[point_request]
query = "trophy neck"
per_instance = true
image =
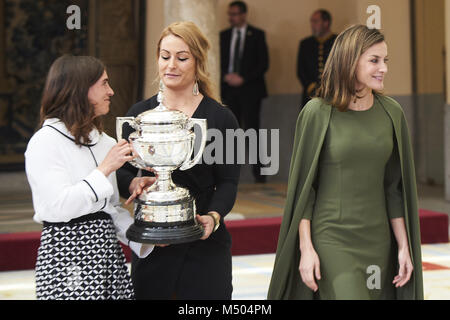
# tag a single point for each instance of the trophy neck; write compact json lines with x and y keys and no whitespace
{"x":164,"y":189}
{"x":164,"y":181}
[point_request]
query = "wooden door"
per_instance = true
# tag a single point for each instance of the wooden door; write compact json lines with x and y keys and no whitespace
{"x":116,"y":36}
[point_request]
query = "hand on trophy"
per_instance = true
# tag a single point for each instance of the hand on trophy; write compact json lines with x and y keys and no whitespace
{"x":116,"y":157}
{"x":207,"y":223}
{"x":138,"y":185}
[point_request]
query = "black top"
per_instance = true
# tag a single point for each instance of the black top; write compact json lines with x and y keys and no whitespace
{"x":214,"y":186}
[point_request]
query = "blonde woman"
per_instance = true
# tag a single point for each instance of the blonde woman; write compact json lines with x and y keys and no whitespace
{"x":350,"y":228}
{"x":200,"y":269}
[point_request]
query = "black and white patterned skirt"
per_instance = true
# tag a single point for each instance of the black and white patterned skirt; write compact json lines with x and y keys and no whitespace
{"x":81,"y":260}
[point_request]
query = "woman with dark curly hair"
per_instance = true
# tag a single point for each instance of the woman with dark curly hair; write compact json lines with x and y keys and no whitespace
{"x":70,"y":164}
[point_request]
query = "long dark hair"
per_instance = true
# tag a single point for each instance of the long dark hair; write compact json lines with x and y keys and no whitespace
{"x":65,"y":95}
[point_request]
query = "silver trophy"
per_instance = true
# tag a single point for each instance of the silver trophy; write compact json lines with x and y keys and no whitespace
{"x":164,"y":141}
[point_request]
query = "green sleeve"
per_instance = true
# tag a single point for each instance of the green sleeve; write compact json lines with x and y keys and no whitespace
{"x":310,"y":205}
{"x":393,"y":186}
{"x":309,"y":208}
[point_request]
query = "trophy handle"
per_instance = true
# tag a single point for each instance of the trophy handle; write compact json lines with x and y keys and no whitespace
{"x":119,"y":125}
{"x":137,"y":162}
{"x":190,"y":163}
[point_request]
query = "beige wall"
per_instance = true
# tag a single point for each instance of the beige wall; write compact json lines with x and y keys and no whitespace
{"x":287,"y":21}
{"x":430,"y":44}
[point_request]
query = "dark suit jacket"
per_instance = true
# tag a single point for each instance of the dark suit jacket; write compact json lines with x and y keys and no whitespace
{"x":254,"y":63}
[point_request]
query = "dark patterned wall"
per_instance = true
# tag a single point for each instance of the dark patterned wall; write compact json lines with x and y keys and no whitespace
{"x":35,"y":34}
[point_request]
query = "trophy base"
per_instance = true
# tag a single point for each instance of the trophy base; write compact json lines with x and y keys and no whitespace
{"x":152,"y":233}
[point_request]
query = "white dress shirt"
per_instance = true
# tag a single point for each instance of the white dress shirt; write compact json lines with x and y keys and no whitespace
{"x":66,"y":183}
{"x":234,"y":32}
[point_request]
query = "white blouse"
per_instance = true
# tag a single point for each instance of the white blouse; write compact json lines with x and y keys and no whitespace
{"x":66,"y":184}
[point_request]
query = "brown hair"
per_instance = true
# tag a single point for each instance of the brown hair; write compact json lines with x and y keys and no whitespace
{"x":338,"y":83}
{"x":66,"y":95}
{"x":198,"y":45}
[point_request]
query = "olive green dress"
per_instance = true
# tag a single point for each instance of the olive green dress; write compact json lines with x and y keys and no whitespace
{"x":350,"y":222}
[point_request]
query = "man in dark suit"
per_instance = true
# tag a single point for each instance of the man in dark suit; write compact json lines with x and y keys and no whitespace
{"x":244,"y":60}
{"x":313,"y":53}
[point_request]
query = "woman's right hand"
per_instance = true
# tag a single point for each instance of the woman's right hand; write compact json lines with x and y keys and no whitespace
{"x":137,"y":185}
{"x":310,"y":268}
{"x":116,"y":157}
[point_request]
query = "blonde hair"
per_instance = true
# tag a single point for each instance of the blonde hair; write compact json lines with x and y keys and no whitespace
{"x":338,"y":83}
{"x":198,"y":45}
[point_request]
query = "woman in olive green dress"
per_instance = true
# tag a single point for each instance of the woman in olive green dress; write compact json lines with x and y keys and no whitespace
{"x":350,"y":228}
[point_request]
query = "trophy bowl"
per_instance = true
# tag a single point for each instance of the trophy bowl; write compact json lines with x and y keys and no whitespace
{"x":164,"y":141}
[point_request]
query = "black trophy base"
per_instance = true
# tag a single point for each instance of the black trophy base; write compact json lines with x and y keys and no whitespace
{"x":152,"y":233}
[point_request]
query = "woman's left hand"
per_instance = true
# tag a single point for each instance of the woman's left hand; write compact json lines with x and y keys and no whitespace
{"x":405,"y":268}
{"x":207,"y":223}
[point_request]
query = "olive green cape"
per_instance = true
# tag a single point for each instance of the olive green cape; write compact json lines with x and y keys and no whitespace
{"x":312,"y":125}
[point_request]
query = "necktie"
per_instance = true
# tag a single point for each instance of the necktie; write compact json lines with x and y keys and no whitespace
{"x":236,"y":54}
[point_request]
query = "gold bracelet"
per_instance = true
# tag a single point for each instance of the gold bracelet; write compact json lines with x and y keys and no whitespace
{"x":216,"y":219}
